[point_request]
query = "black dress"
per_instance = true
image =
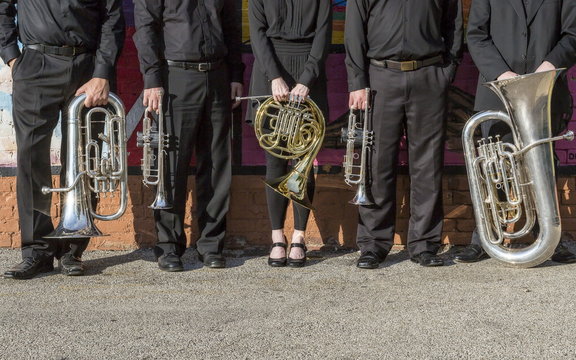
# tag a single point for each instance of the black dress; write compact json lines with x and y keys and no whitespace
{"x":290,"y":39}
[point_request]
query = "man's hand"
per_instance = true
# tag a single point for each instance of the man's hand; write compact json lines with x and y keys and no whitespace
{"x":152,"y":98}
{"x":280,"y":90}
{"x":545,"y":66}
{"x":357,"y":100}
{"x":299,"y":93}
{"x":507,"y":75}
{"x":236,"y":90}
{"x":96,"y":91}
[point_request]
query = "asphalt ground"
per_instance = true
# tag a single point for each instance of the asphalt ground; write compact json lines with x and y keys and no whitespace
{"x":125,"y":308}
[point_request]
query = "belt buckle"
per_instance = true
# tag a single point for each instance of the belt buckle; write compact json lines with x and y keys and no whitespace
{"x":73,"y":51}
{"x":408,"y":65}
{"x":203,"y":67}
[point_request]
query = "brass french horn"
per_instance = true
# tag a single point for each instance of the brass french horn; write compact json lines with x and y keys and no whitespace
{"x":292,"y":130}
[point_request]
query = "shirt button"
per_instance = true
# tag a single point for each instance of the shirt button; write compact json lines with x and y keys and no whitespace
{"x":524,"y":56}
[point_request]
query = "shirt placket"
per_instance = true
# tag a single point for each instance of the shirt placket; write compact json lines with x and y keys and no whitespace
{"x":203,"y":14}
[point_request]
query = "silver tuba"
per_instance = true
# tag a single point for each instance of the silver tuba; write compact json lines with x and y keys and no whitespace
{"x":514,"y":182}
{"x":150,"y":139}
{"x":93,"y":165}
{"x":359,"y":132}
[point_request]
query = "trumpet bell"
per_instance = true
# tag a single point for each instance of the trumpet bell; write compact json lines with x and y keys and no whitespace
{"x":362,"y":197}
{"x":161,"y":202}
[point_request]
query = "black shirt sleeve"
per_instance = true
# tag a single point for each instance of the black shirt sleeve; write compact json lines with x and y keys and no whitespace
{"x":8,"y":31}
{"x":111,"y":39}
{"x":148,"y":19}
{"x":564,"y":53}
{"x":483,"y":50}
{"x":356,"y":44}
{"x":322,"y":37}
{"x":232,"y":32}
{"x":452,"y":31}
{"x":261,"y":45}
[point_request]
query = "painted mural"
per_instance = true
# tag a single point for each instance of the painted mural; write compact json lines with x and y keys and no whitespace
{"x":130,"y":86}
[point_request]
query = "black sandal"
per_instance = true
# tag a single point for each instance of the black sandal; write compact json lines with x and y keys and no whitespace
{"x":277,"y":262}
{"x":297,"y":262}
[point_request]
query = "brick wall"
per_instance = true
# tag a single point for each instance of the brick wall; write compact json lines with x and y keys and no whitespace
{"x":332,"y":224}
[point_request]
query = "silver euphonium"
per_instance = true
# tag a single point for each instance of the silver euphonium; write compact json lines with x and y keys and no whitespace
{"x":93,"y":165}
{"x":150,"y":140}
{"x":514,"y":181}
{"x":359,"y":132}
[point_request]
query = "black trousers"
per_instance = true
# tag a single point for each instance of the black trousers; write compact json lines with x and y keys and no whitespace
{"x":413,"y":102}
{"x":42,"y":87}
{"x":277,"y":204}
{"x":198,"y":114}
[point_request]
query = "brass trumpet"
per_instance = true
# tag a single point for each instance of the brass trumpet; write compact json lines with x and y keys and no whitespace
{"x":91,"y":167}
{"x":290,"y":130}
{"x":150,"y":140}
{"x":359,"y":132}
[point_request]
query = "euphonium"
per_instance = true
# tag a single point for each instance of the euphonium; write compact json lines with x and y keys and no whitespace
{"x":290,"y":130}
{"x":359,"y":132}
{"x":93,"y":165}
{"x":510,"y":181}
{"x":151,"y":140}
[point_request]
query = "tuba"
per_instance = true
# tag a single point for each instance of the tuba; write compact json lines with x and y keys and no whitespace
{"x":514,"y":181}
{"x":93,"y":165}
{"x":359,"y":132}
{"x":149,"y":140}
{"x":290,"y":130}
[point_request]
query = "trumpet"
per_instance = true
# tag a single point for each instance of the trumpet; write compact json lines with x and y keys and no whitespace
{"x":359,"y":132}
{"x":290,"y":130}
{"x":149,"y":140}
{"x":99,"y":169}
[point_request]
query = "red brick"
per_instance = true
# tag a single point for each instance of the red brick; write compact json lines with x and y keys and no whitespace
{"x":458,"y":212}
{"x":457,"y":238}
{"x":458,"y":182}
{"x":5,"y":239}
{"x":466,"y":225}
{"x":449,"y":225}
{"x":461,"y":197}
{"x":7,"y":184}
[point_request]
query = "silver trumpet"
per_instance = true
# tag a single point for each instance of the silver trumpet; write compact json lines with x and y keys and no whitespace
{"x":150,"y":140}
{"x":91,"y":167}
{"x":511,"y":182}
{"x":355,"y":163}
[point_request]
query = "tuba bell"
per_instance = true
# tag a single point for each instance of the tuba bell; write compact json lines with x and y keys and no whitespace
{"x":93,"y":165}
{"x":510,"y":182}
{"x":291,"y":130}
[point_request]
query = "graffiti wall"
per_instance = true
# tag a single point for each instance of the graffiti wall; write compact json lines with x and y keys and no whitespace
{"x":130,"y":86}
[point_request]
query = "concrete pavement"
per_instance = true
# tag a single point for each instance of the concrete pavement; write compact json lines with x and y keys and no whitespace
{"x":125,"y":308}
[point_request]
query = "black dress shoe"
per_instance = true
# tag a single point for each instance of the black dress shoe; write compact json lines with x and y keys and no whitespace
{"x":71,"y":266}
{"x":29,"y":267}
{"x":277,"y":262}
{"x":563,"y":255}
{"x":213,"y":261}
{"x":297,"y":262}
{"x":470,"y":254}
{"x":427,"y":259}
{"x":368,"y":260}
{"x":170,"y":262}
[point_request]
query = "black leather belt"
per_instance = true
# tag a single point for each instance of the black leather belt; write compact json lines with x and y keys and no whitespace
{"x":196,"y":66}
{"x":410,"y":65}
{"x":58,"y":50}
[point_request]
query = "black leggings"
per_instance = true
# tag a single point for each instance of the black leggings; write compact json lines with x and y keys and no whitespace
{"x":277,"y":204}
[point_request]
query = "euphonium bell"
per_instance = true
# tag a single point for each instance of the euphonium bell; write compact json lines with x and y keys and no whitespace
{"x":514,"y":181}
{"x":91,"y":167}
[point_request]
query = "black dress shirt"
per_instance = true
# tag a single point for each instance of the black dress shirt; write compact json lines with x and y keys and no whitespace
{"x":186,"y":30}
{"x":97,"y":25}
{"x":291,"y":20}
{"x":400,"y":30}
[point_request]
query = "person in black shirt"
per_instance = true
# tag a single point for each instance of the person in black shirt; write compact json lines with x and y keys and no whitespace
{"x":290,"y":41}
{"x":70,"y":48}
{"x":516,"y":37}
{"x":190,"y":50}
{"x":406,"y":51}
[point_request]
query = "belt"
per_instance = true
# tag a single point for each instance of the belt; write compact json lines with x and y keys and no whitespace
{"x":196,"y":66}
{"x":58,"y":50}
{"x":410,"y":65}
